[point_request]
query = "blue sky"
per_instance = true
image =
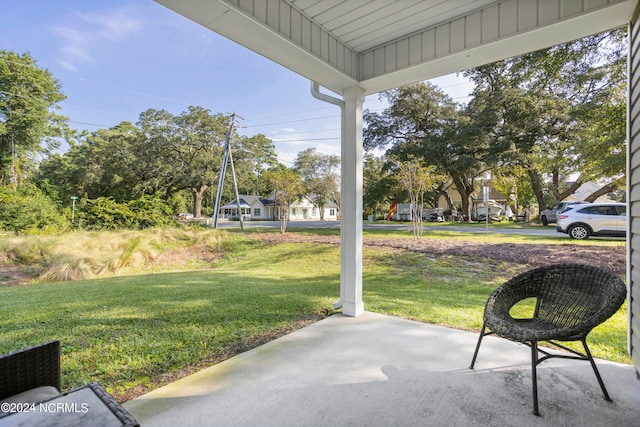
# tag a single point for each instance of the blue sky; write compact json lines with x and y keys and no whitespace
{"x":118,"y":58}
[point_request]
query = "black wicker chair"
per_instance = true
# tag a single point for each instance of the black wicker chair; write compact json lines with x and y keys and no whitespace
{"x":570,"y":300}
{"x":29,"y":368}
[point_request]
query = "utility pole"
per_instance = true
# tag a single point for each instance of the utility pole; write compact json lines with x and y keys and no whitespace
{"x":235,"y":186}
{"x":73,"y":207}
{"x":223,"y":169}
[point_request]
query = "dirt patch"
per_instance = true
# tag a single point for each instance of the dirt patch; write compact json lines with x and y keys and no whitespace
{"x":612,"y":258}
{"x":183,"y":256}
{"x":15,"y":275}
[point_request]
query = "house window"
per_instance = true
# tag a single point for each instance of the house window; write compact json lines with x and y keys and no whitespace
{"x":256,"y":211}
{"x":332,"y":212}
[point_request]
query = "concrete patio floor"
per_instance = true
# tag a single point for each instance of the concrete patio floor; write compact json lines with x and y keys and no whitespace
{"x":377,"y":370}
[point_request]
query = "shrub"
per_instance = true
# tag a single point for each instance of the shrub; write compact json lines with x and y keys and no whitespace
{"x":150,"y":211}
{"x":104,"y":213}
{"x":29,"y":210}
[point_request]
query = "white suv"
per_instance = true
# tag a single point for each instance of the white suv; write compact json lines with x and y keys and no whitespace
{"x":550,"y":215}
{"x":595,"y":219}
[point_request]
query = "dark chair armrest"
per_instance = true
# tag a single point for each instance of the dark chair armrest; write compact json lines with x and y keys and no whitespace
{"x":29,"y":368}
{"x":122,"y":414}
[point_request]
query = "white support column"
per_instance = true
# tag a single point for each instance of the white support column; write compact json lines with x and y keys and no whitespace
{"x":351,"y":204}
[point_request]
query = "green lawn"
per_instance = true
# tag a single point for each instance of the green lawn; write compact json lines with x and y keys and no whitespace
{"x":137,"y":330}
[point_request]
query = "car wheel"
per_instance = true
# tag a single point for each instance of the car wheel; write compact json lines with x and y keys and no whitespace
{"x":544,"y":220}
{"x":579,"y":232}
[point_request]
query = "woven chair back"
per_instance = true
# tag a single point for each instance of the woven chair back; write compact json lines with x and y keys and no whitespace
{"x":571,"y":299}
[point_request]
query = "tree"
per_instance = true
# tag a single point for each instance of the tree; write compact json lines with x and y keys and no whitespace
{"x":543,"y":108}
{"x":377,"y":182}
{"x":104,"y":163}
{"x":287,"y":187}
{"x":415,"y":179}
{"x":319,"y":173}
{"x":603,"y":142}
{"x":28,"y":125}
{"x":252,"y":156}
{"x":424,"y":122}
{"x":185,"y":150}
{"x":171,"y":157}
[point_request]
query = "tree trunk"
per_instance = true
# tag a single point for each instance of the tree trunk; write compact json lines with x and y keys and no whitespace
{"x":197,"y":199}
{"x":465,"y":191}
{"x":569,"y":191}
{"x":443,"y":191}
{"x":536,"y":186}
{"x":284,"y":213}
{"x":601,"y":192}
{"x":416,"y":211}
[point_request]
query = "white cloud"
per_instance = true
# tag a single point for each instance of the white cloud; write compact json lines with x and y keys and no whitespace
{"x":115,"y":26}
{"x":86,"y":31}
{"x":77,"y":54}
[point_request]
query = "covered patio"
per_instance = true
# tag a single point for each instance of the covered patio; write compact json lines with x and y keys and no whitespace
{"x":360,"y":47}
{"x":364,"y":369}
{"x":375,"y":370}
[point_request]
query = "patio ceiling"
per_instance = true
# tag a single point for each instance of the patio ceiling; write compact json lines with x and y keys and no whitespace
{"x":381,"y":44}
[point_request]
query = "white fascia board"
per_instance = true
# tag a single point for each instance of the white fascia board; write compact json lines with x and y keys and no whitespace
{"x":255,"y":36}
{"x":199,"y":11}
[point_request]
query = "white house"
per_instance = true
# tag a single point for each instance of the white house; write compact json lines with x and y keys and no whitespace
{"x":256,"y":208}
{"x":585,"y":190}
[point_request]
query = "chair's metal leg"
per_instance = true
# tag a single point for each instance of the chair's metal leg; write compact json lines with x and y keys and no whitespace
{"x":475,"y":354}
{"x":534,"y":375}
{"x":595,"y":370}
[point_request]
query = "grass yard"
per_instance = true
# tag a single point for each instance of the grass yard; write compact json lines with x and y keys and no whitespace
{"x":136,"y":331}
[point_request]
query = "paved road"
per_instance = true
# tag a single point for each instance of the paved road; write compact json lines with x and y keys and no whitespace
{"x":479,"y":228}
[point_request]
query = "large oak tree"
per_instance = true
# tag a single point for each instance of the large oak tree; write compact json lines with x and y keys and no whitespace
{"x":29,"y":125}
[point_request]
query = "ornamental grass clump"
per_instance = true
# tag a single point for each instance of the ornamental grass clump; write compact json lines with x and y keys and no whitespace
{"x":90,"y":254}
{"x":64,"y":267}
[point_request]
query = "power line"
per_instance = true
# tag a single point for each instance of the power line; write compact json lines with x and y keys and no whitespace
{"x":90,"y":124}
{"x":290,"y":114}
{"x":305,"y":140}
{"x":292,"y":121}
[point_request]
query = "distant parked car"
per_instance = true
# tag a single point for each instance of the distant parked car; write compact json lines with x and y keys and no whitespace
{"x":596,"y":219}
{"x":550,"y":215}
{"x":433,"y":215}
{"x":436,"y":217}
{"x":184,"y":216}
